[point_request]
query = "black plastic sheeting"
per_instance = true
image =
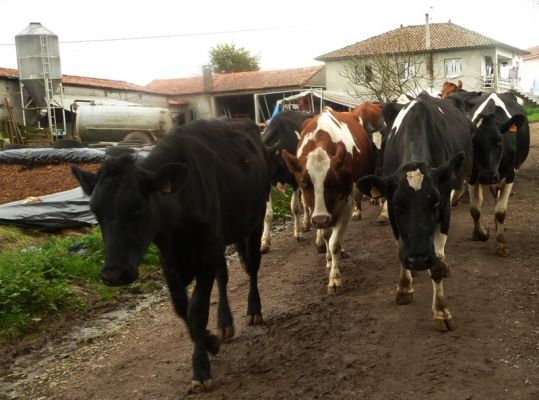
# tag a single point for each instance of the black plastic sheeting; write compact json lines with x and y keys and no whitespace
{"x":50,"y":156}
{"x":63,"y":210}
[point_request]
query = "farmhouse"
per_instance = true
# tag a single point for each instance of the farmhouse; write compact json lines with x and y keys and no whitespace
{"x":425,"y":57}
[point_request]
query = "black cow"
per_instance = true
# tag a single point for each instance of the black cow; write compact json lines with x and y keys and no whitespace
{"x":204,"y":186}
{"x":427,"y":154}
{"x":283,"y":132}
{"x":501,"y":142}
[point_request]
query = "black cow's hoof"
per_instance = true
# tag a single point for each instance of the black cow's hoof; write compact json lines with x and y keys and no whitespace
{"x":501,"y":249}
{"x":200,"y":386}
{"x":480,"y":236}
{"x":404,"y":298}
{"x":212,"y":344}
{"x":320,"y":249}
{"x":226,"y":333}
{"x":444,"y":325}
{"x":255,"y":319}
{"x":333,"y":290}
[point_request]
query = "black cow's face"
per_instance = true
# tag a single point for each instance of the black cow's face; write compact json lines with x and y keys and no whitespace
{"x":417,"y":196}
{"x":490,"y":140}
{"x":123,"y":201}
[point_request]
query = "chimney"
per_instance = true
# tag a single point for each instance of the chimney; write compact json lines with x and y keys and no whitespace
{"x":207,"y":78}
{"x":427,"y":32}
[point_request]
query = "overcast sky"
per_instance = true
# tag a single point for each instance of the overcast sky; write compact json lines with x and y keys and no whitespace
{"x":282,"y":33}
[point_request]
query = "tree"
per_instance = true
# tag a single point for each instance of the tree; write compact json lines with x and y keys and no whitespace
{"x":381,"y":75}
{"x":226,"y":58}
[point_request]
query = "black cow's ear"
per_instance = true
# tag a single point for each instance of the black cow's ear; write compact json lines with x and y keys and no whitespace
{"x":87,"y":179}
{"x":291,"y":161}
{"x":170,"y":177}
{"x":514,"y":123}
{"x":374,"y":186}
{"x":452,"y":171}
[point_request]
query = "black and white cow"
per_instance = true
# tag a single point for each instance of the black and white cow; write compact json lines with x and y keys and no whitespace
{"x":427,"y":154}
{"x":189,"y":197}
{"x":501,"y":142}
{"x":283,"y":132}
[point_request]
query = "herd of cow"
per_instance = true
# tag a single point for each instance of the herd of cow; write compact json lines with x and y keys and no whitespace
{"x":205,"y":185}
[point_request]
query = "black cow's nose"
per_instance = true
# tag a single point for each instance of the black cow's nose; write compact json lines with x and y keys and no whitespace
{"x":117,"y":277}
{"x":489,"y":178}
{"x":321,"y":221}
{"x":420,"y":262}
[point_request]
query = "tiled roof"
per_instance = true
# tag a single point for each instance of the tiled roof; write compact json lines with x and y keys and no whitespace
{"x":443,"y":36}
{"x":85,"y":81}
{"x":239,"y":81}
{"x":534,"y":54}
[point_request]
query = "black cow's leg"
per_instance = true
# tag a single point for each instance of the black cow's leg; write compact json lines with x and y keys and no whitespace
{"x":225,"y":323}
{"x":405,"y":288}
{"x":268,"y":220}
{"x":476,"y":199}
{"x":197,"y":319}
{"x":442,"y":317}
{"x":249,"y":250}
{"x":499,"y":215}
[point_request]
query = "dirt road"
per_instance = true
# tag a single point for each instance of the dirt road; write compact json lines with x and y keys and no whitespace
{"x":356,"y":345}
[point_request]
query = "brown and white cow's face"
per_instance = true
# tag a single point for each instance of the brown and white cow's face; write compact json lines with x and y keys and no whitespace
{"x":325,"y":181}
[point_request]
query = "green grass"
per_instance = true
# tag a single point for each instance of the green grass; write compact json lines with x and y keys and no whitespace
{"x":42,"y":280}
{"x":281,"y":202}
{"x":533,"y":114}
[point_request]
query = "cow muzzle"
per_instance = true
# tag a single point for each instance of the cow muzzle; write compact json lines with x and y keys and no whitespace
{"x":114,"y":276}
{"x":321,"y":221}
{"x":488,"y":178}
{"x":419,"y":262}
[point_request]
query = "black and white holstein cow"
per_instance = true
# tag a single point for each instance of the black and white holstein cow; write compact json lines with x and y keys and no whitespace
{"x":501,"y":142}
{"x":189,"y":197}
{"x":283,"y":132}
{"x":427,"y":154}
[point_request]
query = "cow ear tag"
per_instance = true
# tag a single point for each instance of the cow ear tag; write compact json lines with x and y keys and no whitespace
{"x":513,"y":128}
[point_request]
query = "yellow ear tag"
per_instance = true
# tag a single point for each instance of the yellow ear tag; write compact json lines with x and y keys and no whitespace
{"x":513,"y":128}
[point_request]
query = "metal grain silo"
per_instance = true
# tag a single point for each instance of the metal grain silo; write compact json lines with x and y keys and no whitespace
{"x":38,"y":58}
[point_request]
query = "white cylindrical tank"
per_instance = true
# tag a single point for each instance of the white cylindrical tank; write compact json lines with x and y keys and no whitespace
{"x":110,"y":123}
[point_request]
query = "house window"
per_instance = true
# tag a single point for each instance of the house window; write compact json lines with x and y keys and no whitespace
{"x":406,"y":71}
{"x":453,"y":67}
{"x":368,"y":73}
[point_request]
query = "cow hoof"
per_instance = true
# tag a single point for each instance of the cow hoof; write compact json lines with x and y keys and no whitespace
{"x":356,"y":217}
{"x":320,"y":249}
{"x":306,"y":228}
{"x":200,"y":386}
{"x":404,"y":298}
{"x":299,"y":238}
{"x":501,"y":250}
{"x":444,"y":325}
{"x":212,"y":344}
{"x":480,"y":236}
{"x":333,"y":290}
{"x":226,"y":333}
{"x":255,"y":319}
{"x":344,"y":254}
{"x":264,"y":249}
{"x":382,"y":220}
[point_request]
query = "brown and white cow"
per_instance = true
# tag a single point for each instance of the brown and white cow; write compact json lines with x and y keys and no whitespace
{"x":333,"y":152}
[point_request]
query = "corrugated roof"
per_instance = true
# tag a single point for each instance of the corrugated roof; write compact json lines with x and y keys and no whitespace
{"x":239,"y":81}
{"x":443,"y":36}
{"x":86,"y":81}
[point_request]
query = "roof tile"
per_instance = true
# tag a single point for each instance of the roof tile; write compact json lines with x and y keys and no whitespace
{"x":409,"y":39}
